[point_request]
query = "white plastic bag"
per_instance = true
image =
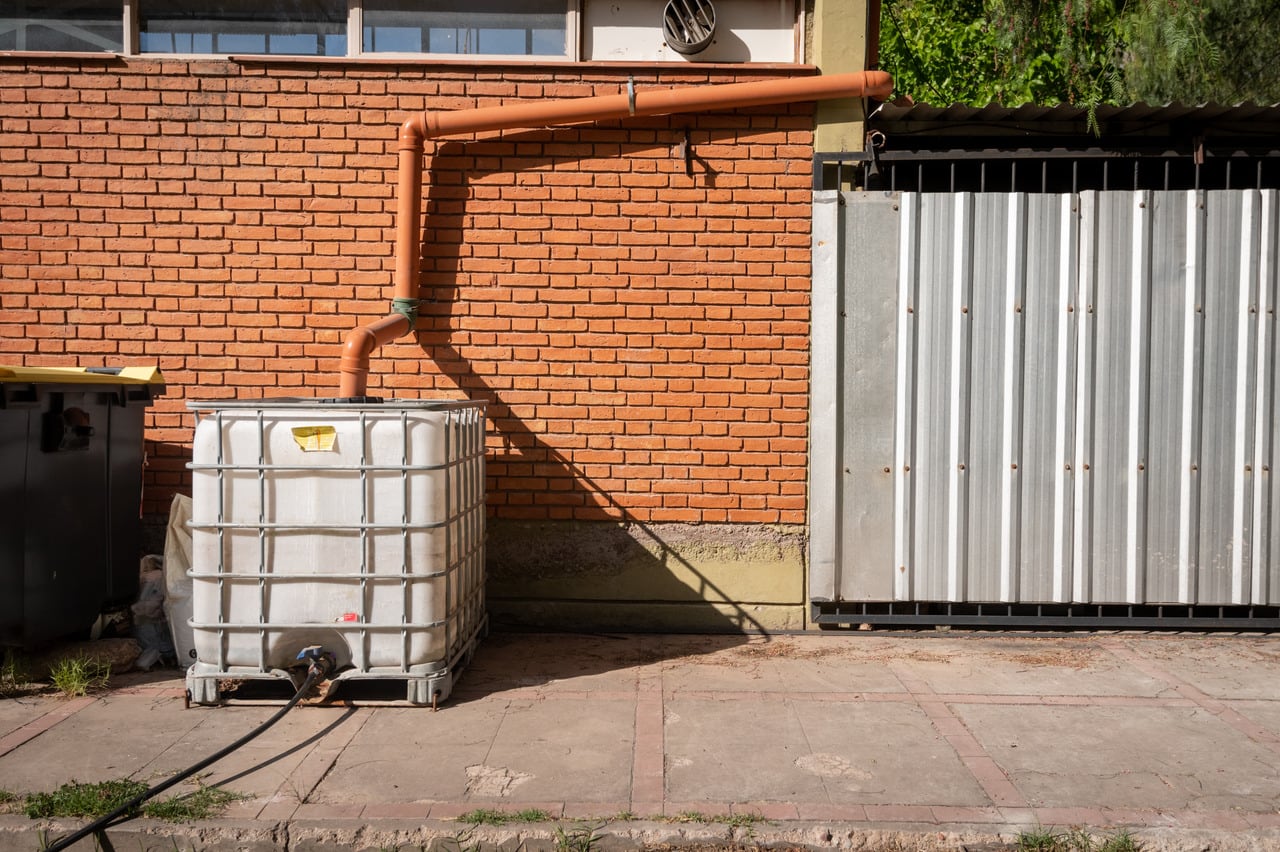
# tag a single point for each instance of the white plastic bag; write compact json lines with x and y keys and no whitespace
{"x":177,"y":562}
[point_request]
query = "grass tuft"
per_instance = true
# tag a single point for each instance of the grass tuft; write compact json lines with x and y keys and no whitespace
{"x":101,"y":798}
{"x":488,"y":816}
{"x":1076,"y":840}
{"x":579,"y":839}
{"x":201,"y":804}
{"x":80,"y":675}
{"x":82,"y":800}
{"x":12,"y":677}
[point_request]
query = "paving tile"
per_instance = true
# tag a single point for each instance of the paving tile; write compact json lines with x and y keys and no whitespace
{"x":766,"y":810}
{"x":37,"y":718}
{"x":832,"y":813}
{"x":111,"y":738}
{"x":322,"y":811}
{"x":699,"y":807}
{"x":948,"y":814}
{"x":595,"y":810}
{"x":1236,"y":667}
{"x":450,"y":810}
{"x":577,"y":750}
{"x":1265,"y":714}
{"x":399,"y":810}
{"x":905,"y":762}
{"x":409,"y":754}
{"x":1131,"y":757}
{"x":900,"y":813}
{"x":19,"y":711}
{"x":727,"y":751}
{"x":1022,"y":665}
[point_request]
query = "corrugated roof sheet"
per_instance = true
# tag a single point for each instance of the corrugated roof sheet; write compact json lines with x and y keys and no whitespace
{"x":1154,"y":113}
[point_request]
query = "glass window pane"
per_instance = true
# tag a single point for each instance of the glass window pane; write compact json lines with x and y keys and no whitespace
{"x":494,"y":27}
{"x":75,"y":25}
{"x":297,"y":27}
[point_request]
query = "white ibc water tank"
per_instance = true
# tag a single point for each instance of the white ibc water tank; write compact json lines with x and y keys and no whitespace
{"x":359,"y":528}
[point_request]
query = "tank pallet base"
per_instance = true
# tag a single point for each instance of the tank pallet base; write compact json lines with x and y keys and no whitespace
{"x":422,"y":686}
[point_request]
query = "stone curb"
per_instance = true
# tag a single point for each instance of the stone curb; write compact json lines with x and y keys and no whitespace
{"x":19,"y":834}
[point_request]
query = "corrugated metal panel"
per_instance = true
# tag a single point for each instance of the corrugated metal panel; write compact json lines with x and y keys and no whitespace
{"x":1079,"y":406}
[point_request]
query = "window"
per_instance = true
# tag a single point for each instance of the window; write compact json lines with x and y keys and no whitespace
{"x":493,"y":28}
{"x":62,"y":25}
{"x":298,"y":27}
{"x":484,"y":27}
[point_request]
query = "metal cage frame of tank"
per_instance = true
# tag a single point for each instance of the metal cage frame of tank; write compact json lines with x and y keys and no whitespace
{"x":426,"y":682}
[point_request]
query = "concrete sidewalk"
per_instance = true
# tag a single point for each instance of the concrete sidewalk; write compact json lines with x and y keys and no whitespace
{"x":853,"y":740}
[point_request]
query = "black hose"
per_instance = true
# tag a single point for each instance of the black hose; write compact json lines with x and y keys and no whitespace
{"x":313,"y":674}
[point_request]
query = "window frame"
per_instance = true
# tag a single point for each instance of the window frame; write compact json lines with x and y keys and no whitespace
{"x":572,"y":38}
{"x":131,"y":42}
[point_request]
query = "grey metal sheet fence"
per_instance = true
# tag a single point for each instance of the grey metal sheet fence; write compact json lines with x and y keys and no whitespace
{"x":1044,"y":398}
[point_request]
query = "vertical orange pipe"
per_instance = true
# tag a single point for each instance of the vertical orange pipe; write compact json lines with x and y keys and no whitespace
{"x":361,"y":342}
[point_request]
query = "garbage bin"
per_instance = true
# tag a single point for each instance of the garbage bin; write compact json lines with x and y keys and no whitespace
{"x":71,"y":484}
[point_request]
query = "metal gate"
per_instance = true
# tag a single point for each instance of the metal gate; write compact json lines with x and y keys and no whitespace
{"x":1052,"y":407}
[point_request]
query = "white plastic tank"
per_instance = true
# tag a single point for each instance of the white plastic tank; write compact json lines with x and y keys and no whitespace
{"x":357,"y":527}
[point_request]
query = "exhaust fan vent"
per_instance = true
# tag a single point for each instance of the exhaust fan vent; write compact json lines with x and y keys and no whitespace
{"x":689,"y":25}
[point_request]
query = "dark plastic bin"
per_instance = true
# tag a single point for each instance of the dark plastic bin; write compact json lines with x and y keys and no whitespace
{"x":71,"y":454}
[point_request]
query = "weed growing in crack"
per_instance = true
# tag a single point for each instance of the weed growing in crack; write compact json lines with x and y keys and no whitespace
{"x":78,"y":676}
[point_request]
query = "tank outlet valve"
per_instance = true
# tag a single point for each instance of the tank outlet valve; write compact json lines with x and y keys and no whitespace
{"x":320,"y":662}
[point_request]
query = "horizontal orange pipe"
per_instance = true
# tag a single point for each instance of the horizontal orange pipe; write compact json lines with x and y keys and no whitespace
{"x":876,"y":84}
{"x":556,"y":113}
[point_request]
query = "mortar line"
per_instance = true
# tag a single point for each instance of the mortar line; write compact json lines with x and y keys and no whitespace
{"x":1214,"y":706}
{"x":279,"y":798}
{"x":649,"y":753}
{"x":39,"y":725}
{"x":986,"y":771}
{"x":328,"y":744}
{"x":808,"y":744}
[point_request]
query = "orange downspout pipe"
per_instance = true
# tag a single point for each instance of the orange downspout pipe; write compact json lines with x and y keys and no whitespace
{"x":362,"y":342}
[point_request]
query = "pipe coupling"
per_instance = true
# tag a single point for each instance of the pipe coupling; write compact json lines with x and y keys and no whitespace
{"x":407,"y":308}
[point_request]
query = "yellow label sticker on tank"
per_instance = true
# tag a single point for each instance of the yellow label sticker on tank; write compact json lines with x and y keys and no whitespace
{"x":315,"y":439}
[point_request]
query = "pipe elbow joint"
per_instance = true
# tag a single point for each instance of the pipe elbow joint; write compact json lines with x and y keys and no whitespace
{"x":414,"y":131}
{"x":359,"y":345}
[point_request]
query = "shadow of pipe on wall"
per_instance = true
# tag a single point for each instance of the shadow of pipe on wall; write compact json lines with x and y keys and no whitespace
{"x":593,"y":540}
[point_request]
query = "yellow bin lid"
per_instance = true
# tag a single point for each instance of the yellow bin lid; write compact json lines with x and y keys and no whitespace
{"x":82,"y":375}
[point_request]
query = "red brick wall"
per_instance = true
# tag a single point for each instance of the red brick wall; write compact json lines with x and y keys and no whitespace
{"x":641,"y":335}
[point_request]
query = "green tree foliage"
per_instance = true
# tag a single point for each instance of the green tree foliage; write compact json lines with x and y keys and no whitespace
{"x":1197,"y":51}
{"x":1087,"y":52}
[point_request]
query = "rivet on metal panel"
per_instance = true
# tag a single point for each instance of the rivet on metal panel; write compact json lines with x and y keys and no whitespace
{"x":1086,"y":466}
{"x":964,"y":309}
{"x":1248,"y":468}
{"x":1141,"y":466}
{"x":902,"y":569}
{"x":960,"y":466}
{"x":1071,"y":309}
{"x":910,"y":309}
{"x":1199,"y":309}
{"x":1142,"y":204}
{"x":1266,"y":468}
{"x":1067,"y":466}
{"x":906,"y":468}
{"x":895,"y":207}
{"x":1013,"y":466}
{"x":1089,"y":309}
{"x":1017,"y":309}
{"x":1253,"y":309}
{"x":1194,"y":468}
{"x":886,"y":470}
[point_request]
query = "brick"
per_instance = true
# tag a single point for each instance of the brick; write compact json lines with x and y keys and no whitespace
{"x":651,"y":325}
